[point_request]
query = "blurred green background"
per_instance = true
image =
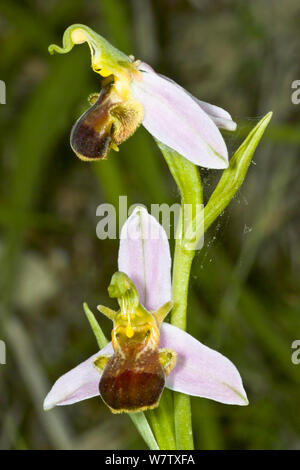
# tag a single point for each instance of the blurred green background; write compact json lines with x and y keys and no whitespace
{"x":244,"y":294}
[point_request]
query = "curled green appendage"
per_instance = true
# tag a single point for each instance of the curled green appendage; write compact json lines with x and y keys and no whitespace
{"x":106,"y":59}
{"x":122,"y":288}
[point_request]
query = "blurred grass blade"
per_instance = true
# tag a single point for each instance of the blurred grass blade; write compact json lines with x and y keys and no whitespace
{"x":117,"y":23}
{"x":209,"y":427}
{"x":33,"y":375}
{"x":41,"y":124}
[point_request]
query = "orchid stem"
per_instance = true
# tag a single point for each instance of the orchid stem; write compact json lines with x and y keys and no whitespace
{"x":188,"y":180}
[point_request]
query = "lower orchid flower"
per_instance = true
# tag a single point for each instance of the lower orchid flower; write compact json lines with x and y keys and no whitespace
{"x":132,"y":93}
{"x":146,"y":353}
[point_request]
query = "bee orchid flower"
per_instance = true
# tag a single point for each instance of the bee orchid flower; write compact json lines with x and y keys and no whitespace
{"x":147,"y":353}
{"x":132,"y":93}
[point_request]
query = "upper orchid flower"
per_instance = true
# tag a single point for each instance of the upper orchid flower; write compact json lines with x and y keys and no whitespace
{"x":145,"y":354}
{"x":132,"y":93}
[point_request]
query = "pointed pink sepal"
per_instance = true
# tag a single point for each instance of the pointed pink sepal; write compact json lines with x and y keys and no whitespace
{"x":144,"y":255}
{"x":78,"y":384}
{"x":201,"y":371}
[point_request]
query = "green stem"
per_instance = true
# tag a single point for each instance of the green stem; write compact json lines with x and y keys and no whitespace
{"x":188,"y":180}
{"x":142,"y":425}
{"x":180,"y":283}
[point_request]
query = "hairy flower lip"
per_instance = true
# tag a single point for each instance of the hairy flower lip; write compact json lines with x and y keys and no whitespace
{"x":88,"y":140}
{"x":105,"y":125}
{"x":200,"y":371}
